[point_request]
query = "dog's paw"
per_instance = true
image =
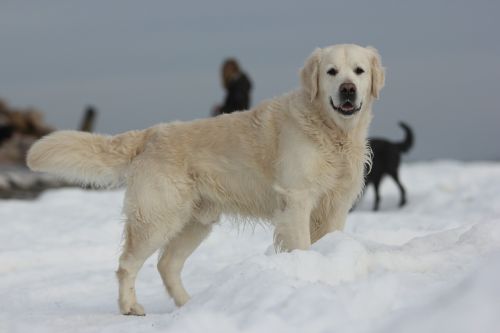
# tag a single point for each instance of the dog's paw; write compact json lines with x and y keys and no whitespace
{"x":180,"y":301}
{"x":133,"y":310}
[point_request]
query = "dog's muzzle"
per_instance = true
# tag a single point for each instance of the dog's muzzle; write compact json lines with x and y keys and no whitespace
{"x":347,"y":95}
{"x":347,"y":108}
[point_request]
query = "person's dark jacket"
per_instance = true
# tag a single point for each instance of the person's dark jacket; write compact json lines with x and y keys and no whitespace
{"x":238,"y":95}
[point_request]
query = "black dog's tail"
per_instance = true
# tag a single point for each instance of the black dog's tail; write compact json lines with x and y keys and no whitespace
{"x":407,"y":143}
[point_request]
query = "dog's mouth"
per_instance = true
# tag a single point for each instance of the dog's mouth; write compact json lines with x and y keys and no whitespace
{"x":347,"y":108}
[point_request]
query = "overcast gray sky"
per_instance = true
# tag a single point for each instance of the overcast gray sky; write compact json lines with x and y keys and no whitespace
{"x":144,"y":62}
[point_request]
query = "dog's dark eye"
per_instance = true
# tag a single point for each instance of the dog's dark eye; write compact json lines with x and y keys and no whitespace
{"x":359,"y":70}
{"x":332,"y":72}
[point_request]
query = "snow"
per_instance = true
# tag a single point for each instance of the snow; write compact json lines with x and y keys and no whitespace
{"x":433,"y":266}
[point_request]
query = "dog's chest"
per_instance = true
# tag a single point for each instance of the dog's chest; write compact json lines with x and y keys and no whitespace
{"x":306,"y":163}
{"x":298,"y":162}
{"x":343,"y":164}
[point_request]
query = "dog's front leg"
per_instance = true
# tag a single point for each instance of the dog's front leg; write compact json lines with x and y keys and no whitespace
{"x":292,"y":224}
{"x":329,"y":215}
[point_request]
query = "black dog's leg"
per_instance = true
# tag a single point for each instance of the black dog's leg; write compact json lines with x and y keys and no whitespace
{"x":395,"y":176}
{"x":376,"y":185}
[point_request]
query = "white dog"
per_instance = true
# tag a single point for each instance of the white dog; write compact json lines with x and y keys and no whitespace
{"x":296,"y":160}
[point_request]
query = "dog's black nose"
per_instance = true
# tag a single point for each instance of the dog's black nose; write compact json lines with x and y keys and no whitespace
{"x":347,"y":91}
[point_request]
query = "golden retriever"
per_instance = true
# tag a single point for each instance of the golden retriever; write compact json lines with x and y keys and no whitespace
{"x":296,"y":160}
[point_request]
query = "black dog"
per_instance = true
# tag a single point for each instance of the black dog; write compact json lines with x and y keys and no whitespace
{"x":386,"y":160}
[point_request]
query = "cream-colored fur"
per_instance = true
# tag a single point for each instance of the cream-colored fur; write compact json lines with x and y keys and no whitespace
{"x":292,"y":160}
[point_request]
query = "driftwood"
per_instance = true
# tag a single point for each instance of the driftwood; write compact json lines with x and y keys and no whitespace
{"x":21,"y":183}
{"x":88,"y":120}
{"x":19,"y":129}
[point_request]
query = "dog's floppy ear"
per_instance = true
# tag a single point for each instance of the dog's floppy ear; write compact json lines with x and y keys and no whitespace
{"x":378,"y":73}
{"x":309,"y":74}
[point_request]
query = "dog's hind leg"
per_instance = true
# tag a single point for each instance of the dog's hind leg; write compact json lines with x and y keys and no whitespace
{"x":175,"y":254}
{"x":157,"y":209}
{"x":142,"y":238}
{"x":140,"y":243}
{"x":395,"y":176}
{"x":376,"y":188}
{"x":153,"y":219}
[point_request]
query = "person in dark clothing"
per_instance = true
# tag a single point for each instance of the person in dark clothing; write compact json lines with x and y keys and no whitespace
{"x":237,"y":86}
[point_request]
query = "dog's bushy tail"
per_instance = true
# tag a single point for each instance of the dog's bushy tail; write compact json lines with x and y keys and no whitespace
{"x":86,"y":158}
{"x":407,"y":143}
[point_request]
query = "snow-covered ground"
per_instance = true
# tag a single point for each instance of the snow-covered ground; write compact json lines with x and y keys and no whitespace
{"x":433,"y":266}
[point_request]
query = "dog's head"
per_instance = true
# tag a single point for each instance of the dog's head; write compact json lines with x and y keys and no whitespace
{"x":344,"y":79}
